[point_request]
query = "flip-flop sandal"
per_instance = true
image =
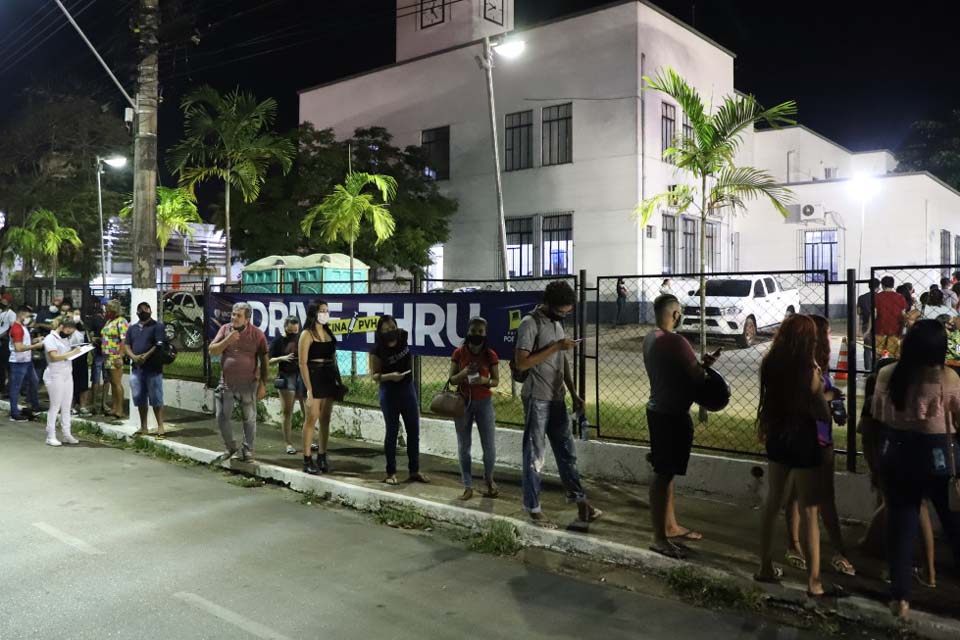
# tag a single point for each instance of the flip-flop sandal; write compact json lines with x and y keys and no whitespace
{"x":419,"y":477}
{"x":291,"y":450}
{"x":542,"y":522}
{"x":391,"y":480}
{"x":689,"y":534}
{"x":918,"y":576}
{"x":796,"y":561}
{"x":842,"y":565}
{"x":669,"y":550}
{"x":833,"y":591}
{"x":774,"y":579}
{"x":161,"y":436}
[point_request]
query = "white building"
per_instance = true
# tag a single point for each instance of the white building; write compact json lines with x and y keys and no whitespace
{"x":581,"y":145}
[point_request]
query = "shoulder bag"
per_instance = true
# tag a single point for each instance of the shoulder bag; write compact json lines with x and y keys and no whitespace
{"x":448,"y":403}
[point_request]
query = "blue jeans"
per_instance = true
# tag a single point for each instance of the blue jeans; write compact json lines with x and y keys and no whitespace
{"x":399,"y":400}
{"x":545,"y":419}
{"x":23,"y":375}
{"x":483,"y":413}
{"x":146,"y":387}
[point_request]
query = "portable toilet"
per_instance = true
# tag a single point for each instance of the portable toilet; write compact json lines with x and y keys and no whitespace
{"x":329,"y":273}
{"x":266,"y":274}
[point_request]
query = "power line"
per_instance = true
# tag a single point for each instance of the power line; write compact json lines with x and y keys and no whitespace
{"x":9,"y":64}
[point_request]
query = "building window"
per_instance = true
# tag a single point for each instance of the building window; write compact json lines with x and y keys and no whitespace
{"x":945,"y":252}
{"x":830,"y":173}
{"x":436,"y":145}
{"x":669,"y":233}
{"x":713,"y":247}
{"x":558,"y":134}
{"x":520,"y":247}
{"x":820,"y":253}
{"x":687,"y":128}
{"x":434,"y":270}
{"x":518,"y":141}
{"x":672,"y":198}
{"x":558,"y":245}
{"x":688,"y":249}
{"x":668,"y":129}
{"x":735,"y":251}
{"x":956,"y":249}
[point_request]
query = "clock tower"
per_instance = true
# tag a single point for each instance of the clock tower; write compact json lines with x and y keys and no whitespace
{"x":428,"y":26}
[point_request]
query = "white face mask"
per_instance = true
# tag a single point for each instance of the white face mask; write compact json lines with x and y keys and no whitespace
{"x":54,"y":308}
{"x":323,"y":317}
{"x":28,"y":320}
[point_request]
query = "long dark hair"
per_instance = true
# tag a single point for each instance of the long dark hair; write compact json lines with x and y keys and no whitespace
{"x":313,"y":325}
{"x":785,"y":373}
{"x":822,"y":353}
{"x":925,"y":345}
{"x":382,"y":321}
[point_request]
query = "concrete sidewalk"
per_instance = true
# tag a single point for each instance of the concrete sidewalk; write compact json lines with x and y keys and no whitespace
{"x":622,"y":536}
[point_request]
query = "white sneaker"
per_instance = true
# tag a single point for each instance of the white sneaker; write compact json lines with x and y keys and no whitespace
{"x":69,"y":439}
{"x":53,"y":442}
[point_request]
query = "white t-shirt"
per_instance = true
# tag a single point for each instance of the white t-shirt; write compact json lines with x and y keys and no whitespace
{"x":931,"y":312}
{"x":54,"y":342}
{"x":7,"y":318}
{"x":19,"y":334}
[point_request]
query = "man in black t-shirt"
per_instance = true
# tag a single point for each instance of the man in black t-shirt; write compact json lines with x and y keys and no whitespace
{"x":283,"y":353}
{"x":95,"y":326}
{"x":864,"y":314}
{"x":144,"y":340}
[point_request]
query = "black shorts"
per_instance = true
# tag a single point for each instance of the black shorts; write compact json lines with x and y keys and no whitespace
{"x":671,"y":438}
{"x":324,"y":380}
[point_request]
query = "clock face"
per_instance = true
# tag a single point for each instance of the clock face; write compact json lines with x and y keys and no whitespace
{"x":432,"y":13}
{"x":493,"y":11}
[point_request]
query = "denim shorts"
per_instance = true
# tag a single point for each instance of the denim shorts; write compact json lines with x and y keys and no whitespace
{"x":146,"y":387}
{"x":96,"y":370}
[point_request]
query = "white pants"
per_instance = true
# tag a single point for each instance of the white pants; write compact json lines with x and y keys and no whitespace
{"x":60,"y":389}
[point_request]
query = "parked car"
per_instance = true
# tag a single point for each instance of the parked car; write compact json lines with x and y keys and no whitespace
{"x":740,"y":307}
{"x":183,"y":319}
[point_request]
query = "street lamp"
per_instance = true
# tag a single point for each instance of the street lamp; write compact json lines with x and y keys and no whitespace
{"x":117,"y":162}
{"x":863,"y":187}
{"x":509,"y":49}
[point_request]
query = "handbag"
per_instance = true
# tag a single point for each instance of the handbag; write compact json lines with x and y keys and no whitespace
{"x":448,"y":403}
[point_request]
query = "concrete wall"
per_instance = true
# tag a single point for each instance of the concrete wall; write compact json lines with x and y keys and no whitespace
{"x":463,"y":22}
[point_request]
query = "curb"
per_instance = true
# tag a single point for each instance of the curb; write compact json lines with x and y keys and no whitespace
{"x":853,"y":609}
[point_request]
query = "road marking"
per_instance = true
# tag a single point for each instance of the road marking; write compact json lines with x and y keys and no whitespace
{"x":67,"y":539}
{"x":251,"y":627}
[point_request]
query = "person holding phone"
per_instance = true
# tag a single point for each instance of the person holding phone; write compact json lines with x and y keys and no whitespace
{"x":283,"y":353}
{"x":674,"y":375}
{"x":391,"y":366}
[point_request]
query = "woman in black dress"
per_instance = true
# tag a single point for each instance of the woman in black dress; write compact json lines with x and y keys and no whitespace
{"x":317,"y":351}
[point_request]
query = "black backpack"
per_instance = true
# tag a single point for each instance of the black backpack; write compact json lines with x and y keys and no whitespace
{"x":515,"y":373}
{"x":166,"y":352}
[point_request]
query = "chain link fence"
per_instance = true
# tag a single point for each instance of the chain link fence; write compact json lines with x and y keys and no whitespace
{"x":742,"y":312}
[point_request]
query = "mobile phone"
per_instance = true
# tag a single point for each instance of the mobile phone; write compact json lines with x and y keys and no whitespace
{"x":716,"y":354}
{"x":578,"y":340}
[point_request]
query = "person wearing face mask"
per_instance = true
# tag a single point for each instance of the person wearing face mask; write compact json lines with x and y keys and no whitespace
{"x":541,"y":349}
{"x":81,"y":369}
{"x":242,"y":348}
{"x":317,"y":357}
{"x":7,"y":318}
{"x":112,"y":338}
{"x":59,"y":380}
{"x":674,"y":374}
{"x":475,"y":369}
{"x":146,"y":373}
{"x":22,"y":373}
{"x":391,"y":366}
{"x":283,"y":353}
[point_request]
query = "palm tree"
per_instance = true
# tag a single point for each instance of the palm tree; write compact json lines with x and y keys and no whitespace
{"x":22,"y":242}
{"x":41,"y":238}
{"x":707,"y":155}
{"x":176,"y":211}
{"x":228,"y":137}
{"x":343,"y":212}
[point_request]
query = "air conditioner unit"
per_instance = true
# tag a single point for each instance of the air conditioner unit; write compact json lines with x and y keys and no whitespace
{"x":812,"y":213}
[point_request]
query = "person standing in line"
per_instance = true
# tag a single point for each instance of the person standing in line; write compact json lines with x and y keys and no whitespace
{"x":666,"y":287}
{"x":890,"y":311}
{"x":541,"y":351}
{"x":94,"y":334}
{"x":791,"y":403}
{"x":7,"y":318}
{"x":864,"y":315}
{"x":475,"y":370}
{"x":917,"y":399}
{"x":58,"y":377}
{"x":283,"y":353}
{"x":23,"y":375}
{"x":391,"y":366}
{"x":317,"y":358}
{"x":143,"y":340}
{"x":621,"y":299}
{"x":81,"y":369}
{"x":112,"y":339}
{"x":674,"y":374}
{"x":828,"y":503}
{"x":950,"y":298}
{"x":244,"y":371}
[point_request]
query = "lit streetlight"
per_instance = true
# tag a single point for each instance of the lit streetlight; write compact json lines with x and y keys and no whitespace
{"x":117,"y":162}
{"x":863,"y":187}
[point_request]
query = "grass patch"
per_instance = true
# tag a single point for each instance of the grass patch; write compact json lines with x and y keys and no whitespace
{"x":711,"y":593}
{"x":247,"y":482}
{"x":403,"y":517}
{"x":499,"y":539}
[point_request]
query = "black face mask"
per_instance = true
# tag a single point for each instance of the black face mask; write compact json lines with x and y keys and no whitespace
{"x":476,"y":340}
{"x":390,"y":336}
{"x":553,"y":315}
{"x":143,"y":315}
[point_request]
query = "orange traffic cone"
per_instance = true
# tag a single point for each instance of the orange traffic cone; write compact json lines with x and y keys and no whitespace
{"x":842,"y":362}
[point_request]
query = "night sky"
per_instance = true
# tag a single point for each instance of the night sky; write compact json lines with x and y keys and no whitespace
{"x":860,"y":73}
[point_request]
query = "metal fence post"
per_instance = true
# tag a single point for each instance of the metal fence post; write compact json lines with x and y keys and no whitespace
{"x":207,"y":373}
{"x":296,"y":286}
{"x":582,"y":335}
{"x":415,"y":286}
{"x":852,"y":384}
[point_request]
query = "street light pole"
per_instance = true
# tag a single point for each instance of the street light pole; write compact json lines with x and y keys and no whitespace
{"x":103,"y":250}
{"x":487,"y":63}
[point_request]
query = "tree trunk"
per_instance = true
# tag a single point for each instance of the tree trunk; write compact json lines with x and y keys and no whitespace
{"x":145,"y":151}
{"x":226,"y":229}
{"x":353,"y":354}
{"x":53,"y":289}
{"x":163,"y":259}
{"x":703,"y":278}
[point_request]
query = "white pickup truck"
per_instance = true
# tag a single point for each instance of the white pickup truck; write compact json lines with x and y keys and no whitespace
{"x":739,"y":307}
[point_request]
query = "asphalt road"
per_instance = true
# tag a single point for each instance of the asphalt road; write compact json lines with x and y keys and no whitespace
{"x":103,"y":543}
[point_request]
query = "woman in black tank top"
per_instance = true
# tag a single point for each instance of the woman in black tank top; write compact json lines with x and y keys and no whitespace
{"x":318,"y":368}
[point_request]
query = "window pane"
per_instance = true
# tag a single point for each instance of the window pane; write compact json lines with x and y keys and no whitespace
{"x":821,"y":252}
{"x":520,"y":247}
{"x":557,"y":134}
{"x":557,"y":245}
{"x":668,"y":126}
{"x":669,"y":233}
{"x":517,"y":136}
{"x":436,"y":144}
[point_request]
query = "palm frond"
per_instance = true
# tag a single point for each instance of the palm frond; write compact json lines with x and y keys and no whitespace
{"x":736,"y":185}
{"x":674,"y":85}
{"x":679,"y":201}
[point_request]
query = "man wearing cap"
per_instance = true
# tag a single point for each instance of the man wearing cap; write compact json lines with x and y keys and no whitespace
{"x":674,"y":375}
{"x":7,"y":318}
{"x":22,"y":373}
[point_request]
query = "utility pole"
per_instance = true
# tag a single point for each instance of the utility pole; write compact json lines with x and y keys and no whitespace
{"x":486,"y":63}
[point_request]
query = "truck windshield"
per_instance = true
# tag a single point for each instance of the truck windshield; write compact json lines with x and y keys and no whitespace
{"x":728,"y":288}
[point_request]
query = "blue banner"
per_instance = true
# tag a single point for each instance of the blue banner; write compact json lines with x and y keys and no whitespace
{"x":436,"y":322}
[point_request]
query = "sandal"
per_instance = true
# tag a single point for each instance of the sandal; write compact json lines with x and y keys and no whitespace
{"x":688,"y":534}
{"x":391,"y":480}
{"x":540,"y":520}
{"x":918,"y":575}
{"x":419,"y":477}
{"x":842,"y":565}
{"x":492,"y":490}
{"x":833,"y":591}
{"x":774,"y":579}
{"x":669,"y":550}
{"x":796,"y":560}
{"x":161,"y":436}
{"x":291,"y":450}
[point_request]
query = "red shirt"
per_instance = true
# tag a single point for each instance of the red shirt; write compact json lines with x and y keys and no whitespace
{"x":240,"y":362}
{"x":463,"y":357}
{"x":890,"y":308}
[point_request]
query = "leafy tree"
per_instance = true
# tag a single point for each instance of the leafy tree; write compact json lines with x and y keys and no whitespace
{"x":228,"y":137}
{"x":41,"y":240}
{"x":934,"y":146}
{"x":343,"y":212}
{"x":176,"y":211}
{"x":707,"y":156}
